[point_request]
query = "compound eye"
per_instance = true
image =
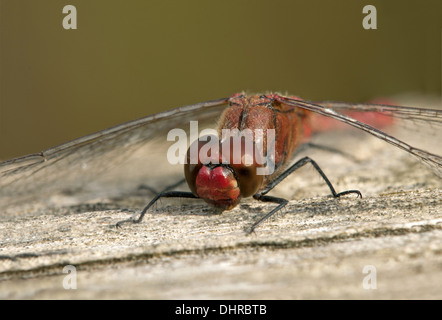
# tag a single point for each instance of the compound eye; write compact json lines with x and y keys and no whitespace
{"x":198,"y":154}
{"x":243,"y":160}
{"x":248,"y":179}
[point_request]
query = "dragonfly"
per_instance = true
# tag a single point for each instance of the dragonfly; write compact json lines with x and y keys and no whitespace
{"x":116,"y":159}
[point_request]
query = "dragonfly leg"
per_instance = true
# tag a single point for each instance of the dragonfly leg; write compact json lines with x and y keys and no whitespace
{"x":300,"y":163}
{"x":173,"y":186}
{"x":164,"y":194}
{"x":282,"y":202}
{"x":154,"y":191}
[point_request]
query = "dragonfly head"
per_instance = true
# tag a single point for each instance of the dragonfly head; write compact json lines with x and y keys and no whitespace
{"x":219,"y":178}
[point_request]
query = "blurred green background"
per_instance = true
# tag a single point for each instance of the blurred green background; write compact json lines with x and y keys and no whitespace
{"x":129,"y":59}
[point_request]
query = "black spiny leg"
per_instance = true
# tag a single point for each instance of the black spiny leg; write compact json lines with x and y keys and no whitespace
{"x":261,"y":196}
{"x":154,"y":191}
{"x":164,"y":194}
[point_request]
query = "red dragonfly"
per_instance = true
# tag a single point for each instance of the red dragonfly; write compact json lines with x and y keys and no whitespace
{"x":107,"y":162}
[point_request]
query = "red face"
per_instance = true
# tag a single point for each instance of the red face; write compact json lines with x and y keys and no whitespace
{"x":219,"y":179}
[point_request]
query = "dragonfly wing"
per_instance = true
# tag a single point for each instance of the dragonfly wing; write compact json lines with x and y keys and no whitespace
{"x":417,"y":115}
{"x":106,"y":163}
{"x":334,"y":110}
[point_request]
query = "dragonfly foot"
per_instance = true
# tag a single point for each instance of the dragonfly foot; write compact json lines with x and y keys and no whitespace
{"x":249,"y":230}
{"x":119,"y":223}
{"x":343,"y":193}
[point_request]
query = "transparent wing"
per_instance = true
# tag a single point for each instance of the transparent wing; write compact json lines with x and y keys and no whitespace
{"x":105,"y":163}
{"x":416,"y":115}
{"x":427,"y":118}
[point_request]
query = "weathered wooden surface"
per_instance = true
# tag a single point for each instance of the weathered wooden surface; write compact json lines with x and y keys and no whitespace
{"x":315,"y":248}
